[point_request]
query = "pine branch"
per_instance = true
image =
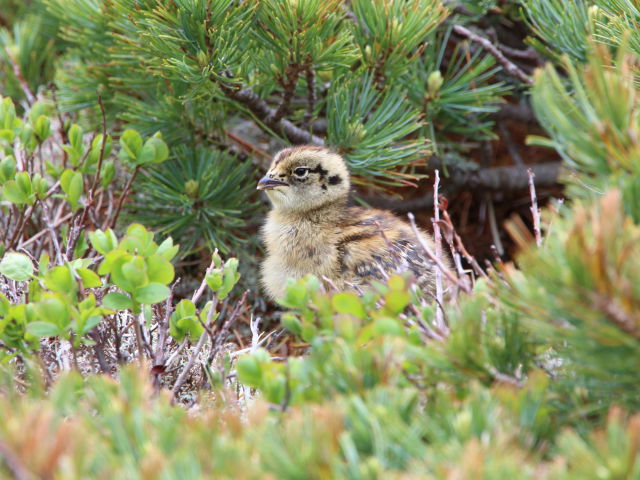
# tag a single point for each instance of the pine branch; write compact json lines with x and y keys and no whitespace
{"x":17,"y":72}
{"x":267,"y":115}
{"x":499,"y":178}
{"x":507,"y":64}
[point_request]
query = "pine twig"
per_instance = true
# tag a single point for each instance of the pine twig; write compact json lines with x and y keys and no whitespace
{"x":535,"y":211}
{"x":437,"y":237}
{"x":265,"y":114}
{"x":125,"y":193}
{"x":21,"y":80}
{"x":435,"y":259}
{"x":507,"y":64}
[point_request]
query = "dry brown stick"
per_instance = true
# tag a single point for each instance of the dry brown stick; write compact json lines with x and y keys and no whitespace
{"x":462,"y":249}
{"x":163,"y":327}
{"x":535,"y":211}
{"x":111,"y":223}
{"x":437,"y":237}
{"x":508,"y":65}
{"x":493,"y":223}
{"x":102,"y":149}
{"x":198,"y":293}
{"x":450,"y":276}
{"x":52,"y":233}
{"x":22,"y":221}
{"x":182,"y":377}
{"x":139,"y":340}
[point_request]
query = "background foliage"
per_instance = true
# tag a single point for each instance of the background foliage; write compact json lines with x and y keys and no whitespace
{"x":164,"y":111}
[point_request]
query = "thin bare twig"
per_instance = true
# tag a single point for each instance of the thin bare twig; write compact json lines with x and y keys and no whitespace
{"x":125,"y":193}
{"x":437,"y":238}
{"x":433,"y":257}
{"x":535,"y":211}
{"x":198,"y":293}
{"x":102,"y":148}
{"x":182,"y":377}
{"x":493,"y":224}
{"x":163,"y":328}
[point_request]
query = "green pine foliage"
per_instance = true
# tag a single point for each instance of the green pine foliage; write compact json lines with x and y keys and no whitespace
{"x":199,"y":194}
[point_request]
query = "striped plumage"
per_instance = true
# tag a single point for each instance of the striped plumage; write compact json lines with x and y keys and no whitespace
{"x":312,"y":230}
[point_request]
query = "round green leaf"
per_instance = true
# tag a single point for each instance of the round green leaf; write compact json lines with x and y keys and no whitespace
{"x":43,"y":329}
{"x":89,"y":278}
{"x":159,"y":269}
{"x":347,"y":302}
{"x":152,"y":293}
{"x":16,"y":266}
{"x":117,"y":301}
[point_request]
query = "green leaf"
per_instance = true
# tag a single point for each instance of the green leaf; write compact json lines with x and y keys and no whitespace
{"x":167,"y":249}
{"x":131,"y":143}
{"x":291,"y":323}
{"x":152,"y":293}
{"x":129,"y":273}
{"x":53,"y":308}
{"x":347,"y":302}
{"x":16,"y":266}
{"x":396,"y":301}
{"x":72,"y":184}
{"x":4,"y":306}
{"x":89,"y":279}
{"x":75,"y":137}
{"x":249,"y":371}
{"x":42,"y":128}
{"x":90,"y":323}
{"x":153,"y":151}
{"x":43,"y":329}
{"x":159,"y":269}
{"x":103,"y":242}
{"x":117,"y":301}
{"x":60,"y":279}
{"x":13,"y":193}
{"x":7,"y":169}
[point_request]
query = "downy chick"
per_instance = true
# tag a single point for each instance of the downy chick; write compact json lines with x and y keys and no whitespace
{"x":310,"y":228}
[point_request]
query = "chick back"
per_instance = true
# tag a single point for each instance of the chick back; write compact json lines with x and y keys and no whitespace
{"x":351,"y":247}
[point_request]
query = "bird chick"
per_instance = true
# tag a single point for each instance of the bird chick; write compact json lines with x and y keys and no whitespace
{"x":310,"y":228}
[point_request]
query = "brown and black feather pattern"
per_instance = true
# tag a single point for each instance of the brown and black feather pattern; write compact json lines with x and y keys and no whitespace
{"x":311,"y":230}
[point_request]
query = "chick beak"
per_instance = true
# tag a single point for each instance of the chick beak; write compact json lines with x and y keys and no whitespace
{"x":267,"y":183}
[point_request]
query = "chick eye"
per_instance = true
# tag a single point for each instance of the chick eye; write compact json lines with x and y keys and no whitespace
{"x":301,"y":171}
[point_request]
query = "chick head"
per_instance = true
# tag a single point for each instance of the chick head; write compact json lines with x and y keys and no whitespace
{"x":305,"y":178}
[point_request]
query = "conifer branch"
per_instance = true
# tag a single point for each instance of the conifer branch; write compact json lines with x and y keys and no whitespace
{"x":266,"y":115}
{"x":507,"y":64}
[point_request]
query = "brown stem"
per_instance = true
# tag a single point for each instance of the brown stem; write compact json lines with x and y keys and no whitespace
{"x":21,"y":80}
{"x":182,"y":377}
{"x":265,"y":114}
{"x":437,"y":237}
{"x":124,"y":195}
{"x":510,"y":67}
{"x":102,"y":148}
{"x":535,"y":211}
{"x":311,"y":95}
